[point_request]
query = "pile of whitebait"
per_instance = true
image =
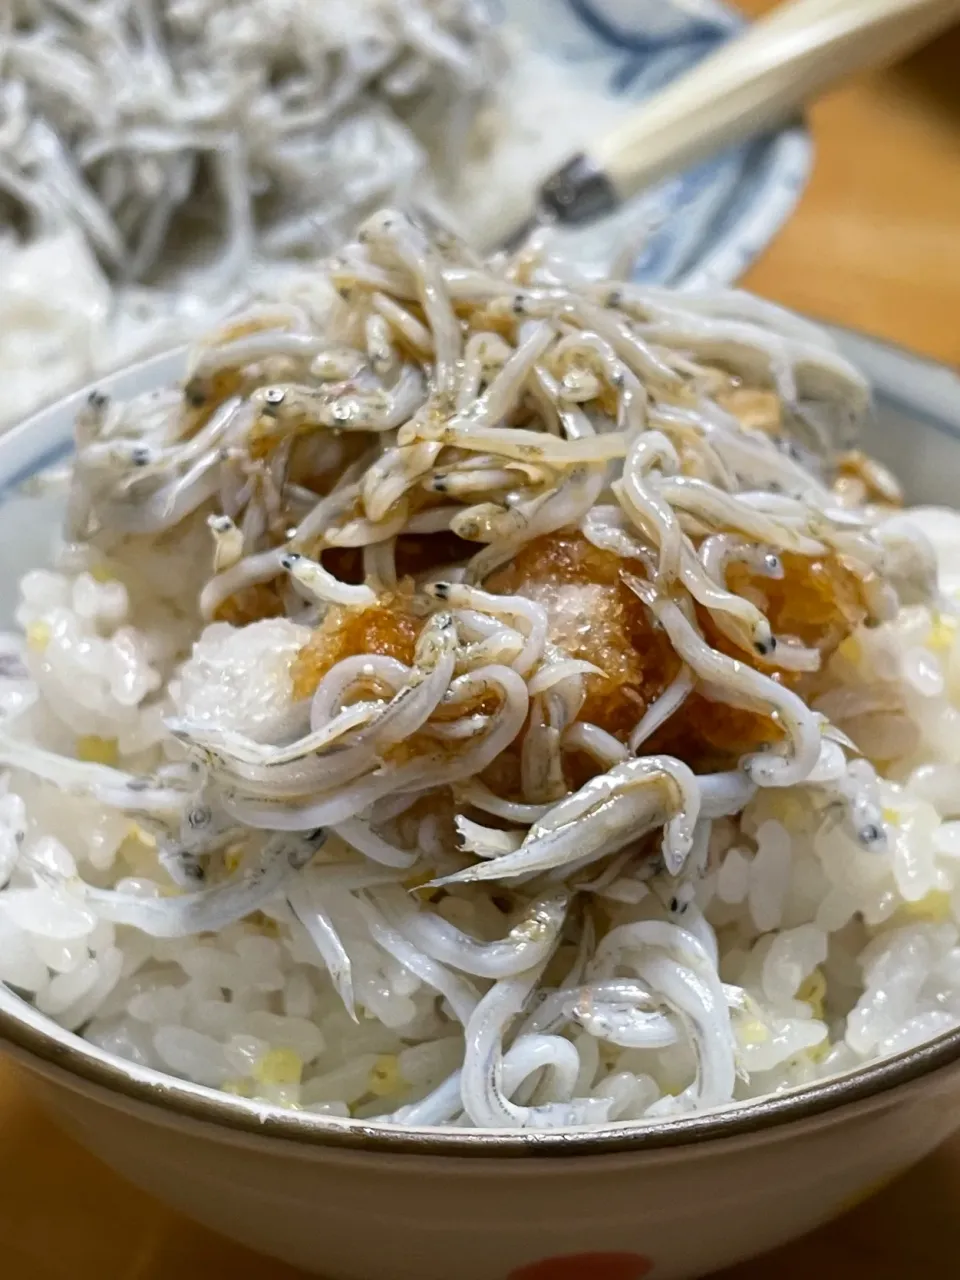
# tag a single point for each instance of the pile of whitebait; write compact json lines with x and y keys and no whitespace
{"x":439,"y":642}
{"x":173,"y":143}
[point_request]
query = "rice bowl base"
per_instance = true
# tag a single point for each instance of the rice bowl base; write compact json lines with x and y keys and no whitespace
{"x":297,"y":1188}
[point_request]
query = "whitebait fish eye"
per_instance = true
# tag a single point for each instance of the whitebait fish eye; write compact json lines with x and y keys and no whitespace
{"x":536,"y":682}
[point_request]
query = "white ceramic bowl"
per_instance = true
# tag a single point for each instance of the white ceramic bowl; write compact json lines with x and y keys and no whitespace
{"x":356,"y":1201}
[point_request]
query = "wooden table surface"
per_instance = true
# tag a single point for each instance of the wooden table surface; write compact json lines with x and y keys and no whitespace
{"x":875,"y":244}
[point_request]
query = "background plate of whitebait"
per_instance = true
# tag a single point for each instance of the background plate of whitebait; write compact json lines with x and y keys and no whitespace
{"x":79,"y":292}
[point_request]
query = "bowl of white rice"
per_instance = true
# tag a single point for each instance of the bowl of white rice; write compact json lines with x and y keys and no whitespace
{"x":480,"y":760}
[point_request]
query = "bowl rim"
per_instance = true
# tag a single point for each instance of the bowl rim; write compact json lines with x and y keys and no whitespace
{"x":39,"y":1042}
{"x":36,"y":1046}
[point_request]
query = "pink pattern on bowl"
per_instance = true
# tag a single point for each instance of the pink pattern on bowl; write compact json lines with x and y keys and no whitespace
{"x":587,"y":1266}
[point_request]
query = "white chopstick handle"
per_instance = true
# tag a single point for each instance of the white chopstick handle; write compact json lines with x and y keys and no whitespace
{"x":760,"y":79}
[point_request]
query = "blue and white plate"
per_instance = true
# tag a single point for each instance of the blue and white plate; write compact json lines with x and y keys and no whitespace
{"x":585,"y":64}
{"x":705,"y":226}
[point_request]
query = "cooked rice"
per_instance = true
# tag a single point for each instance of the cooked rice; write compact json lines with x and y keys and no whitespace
{"x":645,"y":802}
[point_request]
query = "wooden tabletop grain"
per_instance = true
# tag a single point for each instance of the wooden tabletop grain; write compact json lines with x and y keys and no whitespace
{"x":875,"y":244}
